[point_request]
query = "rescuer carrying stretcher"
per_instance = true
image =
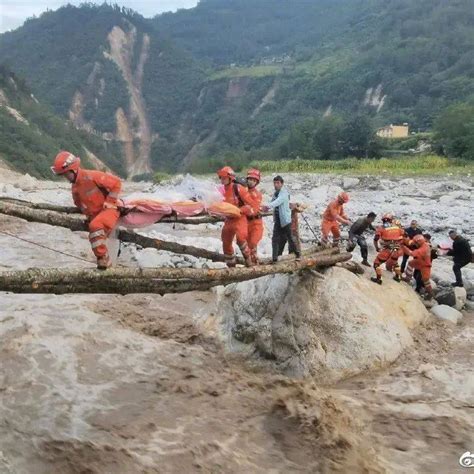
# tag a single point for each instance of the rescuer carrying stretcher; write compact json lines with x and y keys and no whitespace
{"x":95,"y":193}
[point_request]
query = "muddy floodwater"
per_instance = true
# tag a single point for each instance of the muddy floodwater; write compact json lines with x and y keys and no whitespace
{"x":146,"y":384}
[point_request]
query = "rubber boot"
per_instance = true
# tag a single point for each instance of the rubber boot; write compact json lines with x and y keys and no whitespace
{"x":104,"y":262}
{"x":230,"y":261}
{"x":397,"y":278}
{"x":376,"y":280}
{"x":366,"y":263}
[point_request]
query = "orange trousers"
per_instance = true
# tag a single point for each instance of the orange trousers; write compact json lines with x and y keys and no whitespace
{"x":425,"y":271}
{"x":390,"y":258}
{"x":330,"y":227}
{"x":235,"y":228}
{"x":100,"y":228}
{"x":255,"y":234}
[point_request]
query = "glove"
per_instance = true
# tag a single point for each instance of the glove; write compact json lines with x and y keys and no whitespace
{"x":246,"y":210}
{"x":109,"y":205}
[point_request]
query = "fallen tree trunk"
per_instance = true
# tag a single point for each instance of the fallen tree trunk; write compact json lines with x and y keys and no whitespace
{"x":201,"y":219}
{"x":78,"y":223}
{"x":161,"y":281}
{"x":42,"y":205}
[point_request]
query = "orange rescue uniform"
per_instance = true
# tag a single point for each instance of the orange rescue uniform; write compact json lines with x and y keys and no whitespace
{"x":255,"y":223}
{"x":330,"y":224}
{"x":421,"y":260}
{"x":236,"y":227}
{"x":95,"y":193}
{"x":391,"y":237}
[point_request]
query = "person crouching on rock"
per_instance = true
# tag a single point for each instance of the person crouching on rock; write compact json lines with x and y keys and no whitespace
{"x":356,"y":236}
{"x":255,"y":221}
{"x":391,"y":238}
{"x":333,"y":217}
{"x":235,"y":227}
{"x":421,"y":261}
{"x":282,"y":233}
{"x":95,"y":193}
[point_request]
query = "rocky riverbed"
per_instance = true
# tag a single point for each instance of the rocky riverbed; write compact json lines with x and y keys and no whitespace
{"x":331,"y":378}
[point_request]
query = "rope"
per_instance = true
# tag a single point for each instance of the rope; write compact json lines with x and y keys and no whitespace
{"x":45,"y":247}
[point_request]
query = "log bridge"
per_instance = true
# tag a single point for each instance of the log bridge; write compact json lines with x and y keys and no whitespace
{"x":131,"y":280}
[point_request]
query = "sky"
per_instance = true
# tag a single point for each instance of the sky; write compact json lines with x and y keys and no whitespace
{"x":14,"y":12}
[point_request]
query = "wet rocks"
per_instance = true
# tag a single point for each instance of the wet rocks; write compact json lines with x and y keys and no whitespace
{"x":329,"y":328}
{"x":447,"y":313}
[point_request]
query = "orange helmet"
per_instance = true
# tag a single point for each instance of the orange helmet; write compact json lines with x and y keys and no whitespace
{"x":344,"y":197}
{"x":418,"y":239}
{"x":388,"y":217}
{"x":65,"y":162}
{"x":226,"y":172}
{"x":254,"y":173}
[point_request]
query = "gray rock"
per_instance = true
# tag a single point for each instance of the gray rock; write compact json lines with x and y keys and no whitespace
{"x":460,"y":295}
{"x":350,"y":183}
{"x":447,"y":313}
{"x":469,"y":305}
{"x":330,"y":328}
{"x":446,"y":296}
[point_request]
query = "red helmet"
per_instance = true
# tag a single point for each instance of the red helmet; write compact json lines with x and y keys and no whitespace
{"x":65,"y":162}
{"x":387,"y":217}
{"x":226,"y":172}
{"x":418,"y":239}
{"x":254,"y":173}
{"x":344,"y":197}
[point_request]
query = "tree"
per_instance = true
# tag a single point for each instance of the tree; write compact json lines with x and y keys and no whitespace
{"x":454,"y":131}
{"x":359,"y":137}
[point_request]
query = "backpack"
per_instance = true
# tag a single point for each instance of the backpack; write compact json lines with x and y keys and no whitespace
{"x":241,"y":181}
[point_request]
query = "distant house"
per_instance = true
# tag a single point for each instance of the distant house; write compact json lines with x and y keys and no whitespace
{"x":393,"y":131}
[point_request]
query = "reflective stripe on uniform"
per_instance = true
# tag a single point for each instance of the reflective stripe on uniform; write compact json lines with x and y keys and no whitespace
{"x":92,"y":191}
{"x":97,"y":243}
{"x":229,"y":257}
{"x":97,"y":233}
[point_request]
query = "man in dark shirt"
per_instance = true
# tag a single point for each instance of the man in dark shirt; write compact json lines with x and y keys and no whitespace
{"x":461,"y":253}
{"x":410,"y":232}
{"x":356,"y":236}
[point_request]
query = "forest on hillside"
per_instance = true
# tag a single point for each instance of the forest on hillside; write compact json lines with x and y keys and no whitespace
{"x":264,"y":79}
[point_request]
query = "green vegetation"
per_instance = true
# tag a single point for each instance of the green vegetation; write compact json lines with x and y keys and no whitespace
{"x":30,"y":144}
{"x":160,"y":177}
{"x":253,"y":71}
{"x":431,"y":164}
{"x":455,"y":131}
{"x":293,"y":62}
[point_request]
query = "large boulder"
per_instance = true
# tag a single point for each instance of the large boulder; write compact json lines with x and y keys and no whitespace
{"x":328,"y":327}
{"x":455,"y":297}
{"x":447,"y":313}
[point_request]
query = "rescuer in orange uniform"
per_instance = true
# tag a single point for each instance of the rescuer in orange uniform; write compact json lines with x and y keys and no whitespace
{"x":255,"y":221}
{"x":239,"y":196}
{"x":95,"y":193}
{"x":333,"y":216}
{"x":391,"y":237}
{"x":421,"y":261}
